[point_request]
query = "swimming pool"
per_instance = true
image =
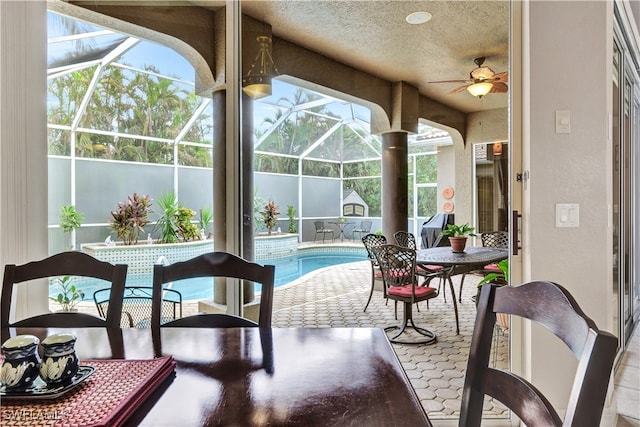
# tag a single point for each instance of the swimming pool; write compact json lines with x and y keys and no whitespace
{"x":288,"y":269}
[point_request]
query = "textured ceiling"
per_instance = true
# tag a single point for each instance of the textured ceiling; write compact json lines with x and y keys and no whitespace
{"x":374,"y":36}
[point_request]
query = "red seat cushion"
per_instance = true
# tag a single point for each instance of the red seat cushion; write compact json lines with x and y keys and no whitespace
{"x":492,"y":267}
{"x":405,"y":291}
{"x":378,"y":273}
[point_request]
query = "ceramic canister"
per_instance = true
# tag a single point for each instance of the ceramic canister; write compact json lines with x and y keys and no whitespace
{"x":21,"y":361}
{"x":59,"y":360}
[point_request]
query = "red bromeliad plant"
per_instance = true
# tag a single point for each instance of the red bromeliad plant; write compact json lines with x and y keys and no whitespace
{"x":130,"y":218}
{"x":270,"y":215}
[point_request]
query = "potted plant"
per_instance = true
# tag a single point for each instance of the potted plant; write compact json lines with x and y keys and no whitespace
{"x":129,"y":219}
{"x":205,"y":217}
{"x":458,"y":235}
{"x":291,"y":213}
{"x":270,"y":216}
{"x":500,"y":278}
{"x":70,"y":220}
{"x":68,"y":295}
{"x":186,"y":229}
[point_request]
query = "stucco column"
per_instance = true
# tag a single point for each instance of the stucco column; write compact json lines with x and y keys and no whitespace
{"x":394,"y":183}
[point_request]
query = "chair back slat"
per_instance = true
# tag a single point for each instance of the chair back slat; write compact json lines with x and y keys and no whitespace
{"x":406,"y":239}
{"x":68,"y":263}
{"x":553,"y":307}
{"x":214,"y":264}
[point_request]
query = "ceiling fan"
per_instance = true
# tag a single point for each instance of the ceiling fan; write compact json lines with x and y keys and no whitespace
{"x":483,"y":80}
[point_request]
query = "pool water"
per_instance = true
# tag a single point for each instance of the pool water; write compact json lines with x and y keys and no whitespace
{"x":287,"y":270}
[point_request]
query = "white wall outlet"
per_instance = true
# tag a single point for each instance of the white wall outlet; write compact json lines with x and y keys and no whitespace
{"x":567,"y":215}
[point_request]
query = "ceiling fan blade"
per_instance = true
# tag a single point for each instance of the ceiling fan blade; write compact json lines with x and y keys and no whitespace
{"x":458,"y":90}
{"x":499,"y":87}
{"x":501,"y":77}
{"x":452,"y":81}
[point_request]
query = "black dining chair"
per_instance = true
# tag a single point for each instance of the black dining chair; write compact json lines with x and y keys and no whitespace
{"x":551,"y":306}
{"x":214,"y":264}
{"x":365,"y":228}
{"x":73,"y":264}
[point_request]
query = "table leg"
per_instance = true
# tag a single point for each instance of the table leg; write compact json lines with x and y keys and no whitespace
{"x":453,"y":296}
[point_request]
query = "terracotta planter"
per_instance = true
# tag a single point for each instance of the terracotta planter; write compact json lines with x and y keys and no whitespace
{"x":458,"y":244}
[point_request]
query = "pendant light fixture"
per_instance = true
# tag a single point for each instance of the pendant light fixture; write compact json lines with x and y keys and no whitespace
{"x":257,"y":82}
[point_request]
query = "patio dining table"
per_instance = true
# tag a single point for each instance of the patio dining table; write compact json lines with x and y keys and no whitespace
{"x":473,"y":258}
{"x":234,"y":376}
{"x":341,"y":226}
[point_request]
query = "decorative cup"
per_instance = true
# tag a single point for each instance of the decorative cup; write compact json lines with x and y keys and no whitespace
{"x":21,"y":362}
{"x":59,"y":361}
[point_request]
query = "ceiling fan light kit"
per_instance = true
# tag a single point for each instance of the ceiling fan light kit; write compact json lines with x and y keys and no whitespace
{"x":480,"y":89}
{"x":482,"y":80}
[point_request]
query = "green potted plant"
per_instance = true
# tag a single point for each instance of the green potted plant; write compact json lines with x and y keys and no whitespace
{"x":458,"y":235}
{"x":70,"y":220}
{"x":130,"y":217}
{"x":500,"y":278}
{"x":68,"y":295}
{"x":186,"y":229}
{"x":291,"y":213}
{"x":270,"y":215}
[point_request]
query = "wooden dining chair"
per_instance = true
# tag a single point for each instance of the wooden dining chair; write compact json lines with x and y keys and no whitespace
{"x":398,"y":267}
{"x":69,"y":263}
{"x":214,"y":264}
{"x":553,"y":307}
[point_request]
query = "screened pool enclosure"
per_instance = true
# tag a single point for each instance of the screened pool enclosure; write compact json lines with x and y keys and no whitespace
{"x":124,"y":117}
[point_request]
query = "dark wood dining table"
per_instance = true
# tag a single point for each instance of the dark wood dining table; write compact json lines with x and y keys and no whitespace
{"x":473,"y":258}
{"x":258,"y":377}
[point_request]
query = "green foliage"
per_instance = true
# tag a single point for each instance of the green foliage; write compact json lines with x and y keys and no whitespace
{"x":70,"y":218}
{"x":186,"y":229}
{"x":68,"y":295}
{"x":453,"y":230}
{"x":258,"y":203}
{"x":130,"y":217}
{"x":270,"y":215}
{"x":205,"y":217}
{"x":291,"y":213}
{"x":501,"y":278}
{"x":168,"y":204}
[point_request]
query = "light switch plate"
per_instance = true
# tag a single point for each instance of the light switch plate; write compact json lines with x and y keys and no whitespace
{"x":563,"y":121}
{"x":567,"y":215}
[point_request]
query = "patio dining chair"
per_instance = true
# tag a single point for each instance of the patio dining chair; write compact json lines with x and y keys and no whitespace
{"x":490,"y":239}
{"x":136,"y":305}
{"x":321,"y":229}
{"x":398,"y":267}
{"x":370,"y":241}
{"x":214,"y":264}
{"x":551,"y":306}
{"x":428,"y":272}
{"x":365,"y":228}
{"x":70,"y":263}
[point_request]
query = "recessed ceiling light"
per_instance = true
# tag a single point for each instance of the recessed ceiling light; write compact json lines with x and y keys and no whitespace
{"x":418,"y":17}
